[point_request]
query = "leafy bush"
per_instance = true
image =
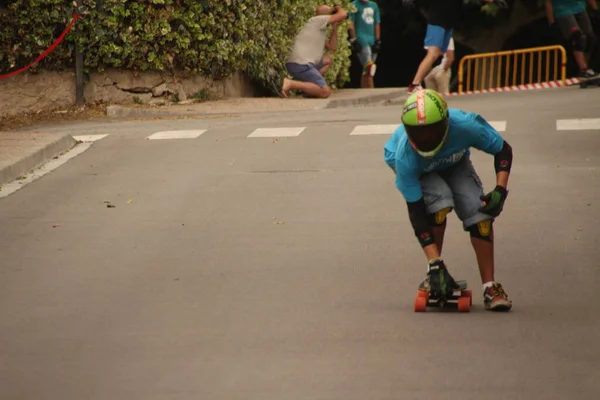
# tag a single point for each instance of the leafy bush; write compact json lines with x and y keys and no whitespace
{"x":213,"y":38}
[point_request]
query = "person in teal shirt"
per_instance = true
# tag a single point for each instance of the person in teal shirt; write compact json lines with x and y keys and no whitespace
{"x":365,"y":37}
{"x":574,"y":22}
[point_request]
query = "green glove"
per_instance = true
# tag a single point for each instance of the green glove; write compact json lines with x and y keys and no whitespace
{"x":493,"y":202}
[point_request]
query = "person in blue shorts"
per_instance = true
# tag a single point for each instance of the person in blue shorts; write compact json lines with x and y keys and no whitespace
{"x":430,"y":156}
{"x":306,"y":61}
{"x":443,"y":17}
{"x":365,"y":38}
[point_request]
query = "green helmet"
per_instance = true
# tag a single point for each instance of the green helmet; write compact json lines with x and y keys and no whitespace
{"x":425,"y":118}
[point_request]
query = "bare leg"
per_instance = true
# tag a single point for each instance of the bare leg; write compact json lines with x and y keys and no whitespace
{"x":580,"y":59}
{"x":484,"y":251}
{"x":438,"y":236}
{"x":366,"y":81}
{"x":433,"y":53}
{"x":327,"y":60}
{"x":306,"y":87}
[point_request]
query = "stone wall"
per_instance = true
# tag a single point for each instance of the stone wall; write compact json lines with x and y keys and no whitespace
{"x":47,"y":91}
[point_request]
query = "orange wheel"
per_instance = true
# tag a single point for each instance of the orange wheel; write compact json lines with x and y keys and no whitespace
{"x":469,"y":294}
{"x":464,"y":304}
{"x":423,"y":293}
{"x":420,"y":304}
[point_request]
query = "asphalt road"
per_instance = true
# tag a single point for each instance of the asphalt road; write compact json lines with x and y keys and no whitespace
{"x":253,"y":268}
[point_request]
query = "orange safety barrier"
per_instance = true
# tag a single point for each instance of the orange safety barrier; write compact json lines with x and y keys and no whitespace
{"x":489,"y":72}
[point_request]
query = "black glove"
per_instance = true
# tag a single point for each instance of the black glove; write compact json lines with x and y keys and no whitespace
{"x":376,"y":48}
{"x":354,"y":44}
{"x":494,"y":201}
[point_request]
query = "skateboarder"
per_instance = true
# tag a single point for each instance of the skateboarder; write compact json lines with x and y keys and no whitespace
{"x":365,"y":37}
{"x":430,"y":155}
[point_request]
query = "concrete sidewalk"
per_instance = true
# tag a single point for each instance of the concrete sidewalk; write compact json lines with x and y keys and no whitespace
{"x":21,"y":152}
{"x":339,"y":98}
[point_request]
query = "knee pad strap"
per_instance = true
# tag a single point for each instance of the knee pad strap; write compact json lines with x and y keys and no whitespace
{"x":439,"y":218}
{"x":482,"y":230}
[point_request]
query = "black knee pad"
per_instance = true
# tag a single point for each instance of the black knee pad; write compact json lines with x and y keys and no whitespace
{"x":482,"y":230}
{"x":579,"y":40}
{"x":439,"y":218}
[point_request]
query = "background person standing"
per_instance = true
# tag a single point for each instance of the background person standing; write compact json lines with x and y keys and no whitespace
{"x":365,"y":37}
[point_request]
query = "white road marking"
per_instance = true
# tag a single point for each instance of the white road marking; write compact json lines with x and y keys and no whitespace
{"x":176,"y":134}
{"x":277,"y":132}
{"x":374,"y":129}
{"x":583,"y":124}
{"x":500,"y":126}
{"x":89,"y":138}
{"x":51,"y":165}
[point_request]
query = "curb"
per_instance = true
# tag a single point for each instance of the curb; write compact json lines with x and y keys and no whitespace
{"x":117,"y":111}
{"x":367,"y":100}
{"x":32,"y":158}
{"x":127,"y":112}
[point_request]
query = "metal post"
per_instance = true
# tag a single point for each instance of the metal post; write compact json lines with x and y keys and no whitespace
{"x":79,"y":82}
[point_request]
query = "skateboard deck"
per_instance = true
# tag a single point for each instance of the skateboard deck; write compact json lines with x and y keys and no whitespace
{"x":461,"y":297}
{"x":585,"y":82}
{"x":595,"y":81}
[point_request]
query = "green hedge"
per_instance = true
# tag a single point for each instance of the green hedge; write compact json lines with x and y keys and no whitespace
{"x":213,"y":38}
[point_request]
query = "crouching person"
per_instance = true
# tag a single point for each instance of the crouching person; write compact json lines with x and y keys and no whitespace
{"x":307,"y":61}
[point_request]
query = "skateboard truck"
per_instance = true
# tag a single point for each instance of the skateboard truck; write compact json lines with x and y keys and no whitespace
{"x":461,"y":296}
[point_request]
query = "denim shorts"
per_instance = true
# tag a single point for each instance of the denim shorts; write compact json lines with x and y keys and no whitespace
{"x":307,"y":73}
{"x":366,"y":55}
{"x":458,"y":187}
{"x":437,"y":36}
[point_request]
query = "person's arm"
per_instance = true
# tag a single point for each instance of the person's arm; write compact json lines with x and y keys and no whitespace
{"x":352,"y":31}
{"x":339,"y":16}
{"x":407,"y":182}
{"x":549,"y":12}
{"x":449,"y":60}
{"x":377,"y":24}
{"x":417,"y":213}
{"x":331,"y":44}
{"x":487,"y":139}
{"x":593,"y":5}
{"x":502,"y":165}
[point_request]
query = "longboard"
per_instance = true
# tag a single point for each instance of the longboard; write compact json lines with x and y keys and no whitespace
{"x":461,"y":297}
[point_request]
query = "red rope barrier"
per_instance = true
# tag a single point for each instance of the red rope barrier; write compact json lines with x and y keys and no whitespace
{"x":48,"y":51}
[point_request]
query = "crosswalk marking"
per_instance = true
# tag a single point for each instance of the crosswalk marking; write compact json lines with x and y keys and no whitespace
{"x":88,"y":138}
{"x":277,"y":132}
{"x":500,"y":126}
{"x":583,"y":124}
{"x":176,"y":134}
{"x":380,"y":129}
{"x":374,"y":129}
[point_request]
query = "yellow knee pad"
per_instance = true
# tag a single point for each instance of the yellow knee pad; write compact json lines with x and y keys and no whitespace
{"x":482,"y":230}
{"x":439,"y":218}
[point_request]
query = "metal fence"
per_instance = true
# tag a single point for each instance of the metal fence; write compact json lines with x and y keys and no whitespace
{"x":505,"y":69}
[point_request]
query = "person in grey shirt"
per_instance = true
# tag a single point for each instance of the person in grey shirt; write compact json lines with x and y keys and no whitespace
{"x":306,"y":61}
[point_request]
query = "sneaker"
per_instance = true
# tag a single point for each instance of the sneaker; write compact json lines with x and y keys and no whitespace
{"x":495,"y":298}
{"x":587,"y":73}
{"x":413,"y":88}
